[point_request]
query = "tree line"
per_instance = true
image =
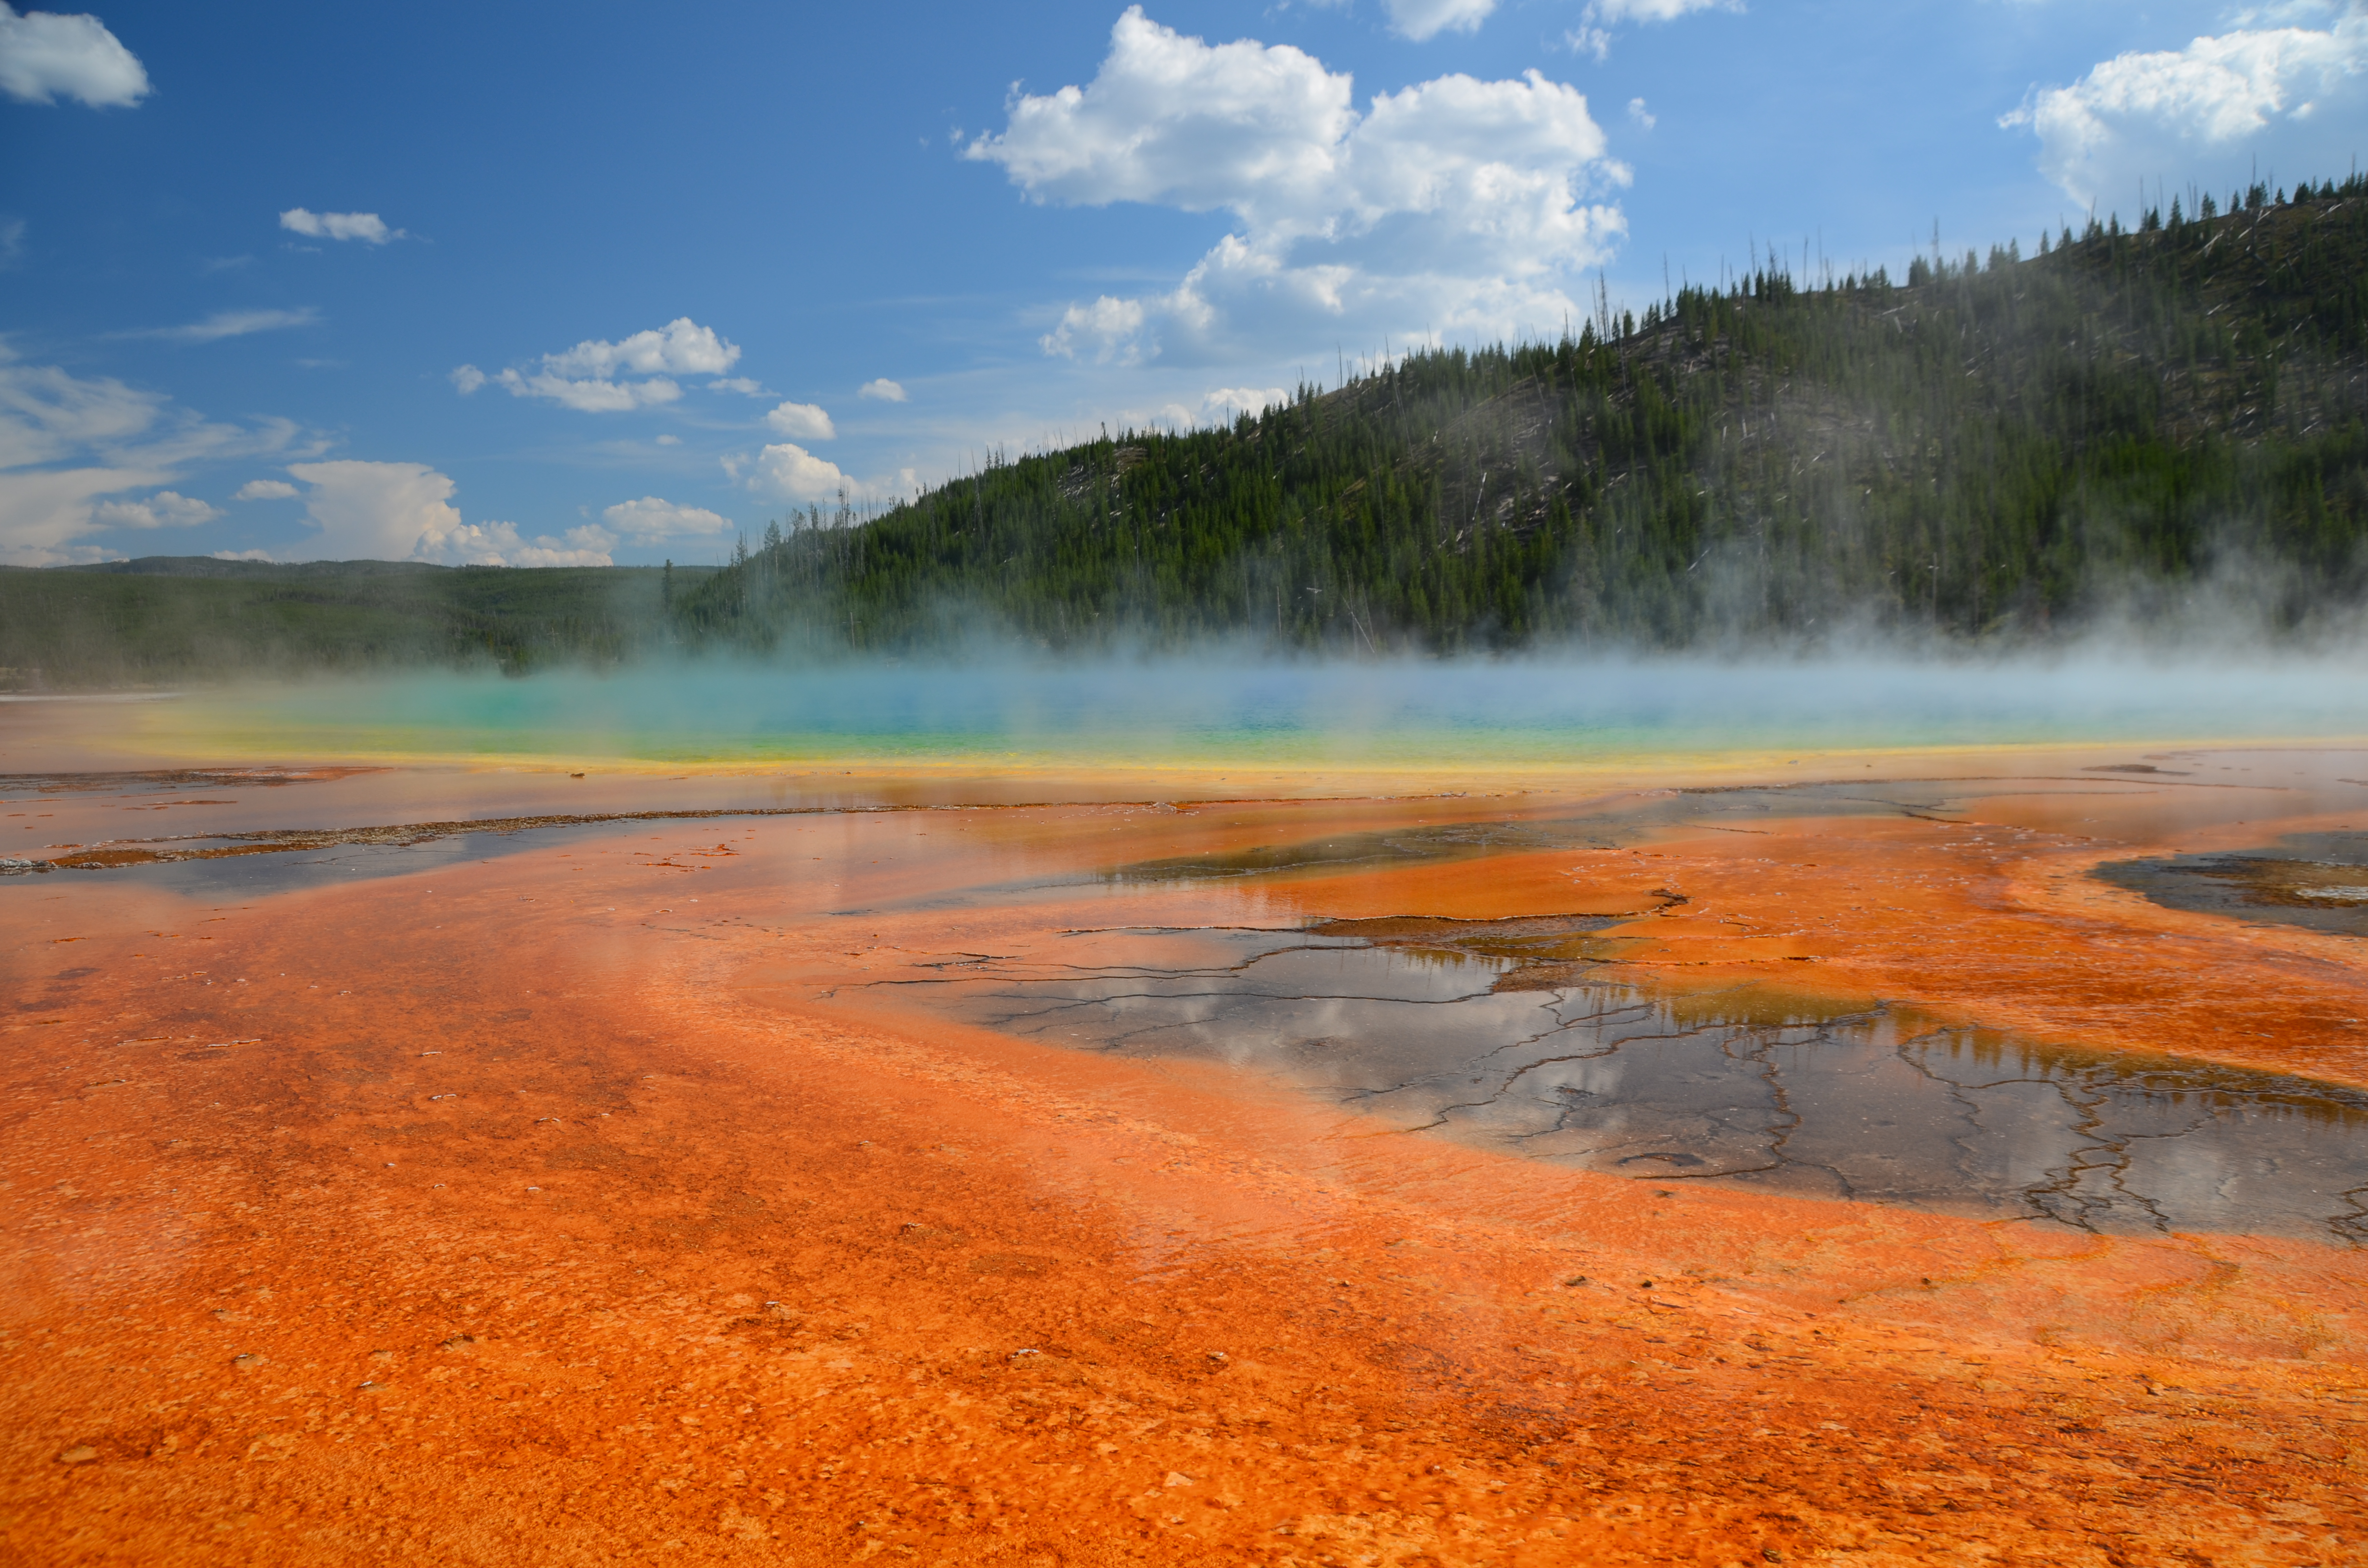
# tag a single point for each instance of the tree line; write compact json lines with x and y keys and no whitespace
{"x":1985,"y":447}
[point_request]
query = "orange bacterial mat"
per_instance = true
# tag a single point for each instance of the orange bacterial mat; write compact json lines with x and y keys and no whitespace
{"x":697,"y":1169}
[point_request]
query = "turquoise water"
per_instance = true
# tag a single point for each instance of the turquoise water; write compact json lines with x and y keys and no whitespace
{"x":1512,"y":714}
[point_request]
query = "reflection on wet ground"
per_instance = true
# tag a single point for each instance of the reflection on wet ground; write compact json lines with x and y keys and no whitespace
{"x":2318,"y":881}
{"x":279,"y":859}
{"x":313,"y":866}
{"x":1431,"y":1035}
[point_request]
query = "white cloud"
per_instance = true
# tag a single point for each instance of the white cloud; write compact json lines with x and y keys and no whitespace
{"x":883,"y":389}
{"x":2186,"y":112}
{"x":1112,"y":325}
{"x":1225,"y":402}
{"x":1455,"y":206}
{"x":790,"y":473}
{"x":163,"y":510}
{"x":1420,"y":19}
{"x":66,"y":443}
{"x":1643,"y":116}
{"x":682,"y":347}
{"x":384,"y":511}
{"x":367,"y":227}
{"x":498,"y":544}
{"x":743,"y":385}
{"x":592,"y":396}
{"x":373,"y":511}
{"x":653,"y":521}
{"x":802,"y":421}
{"x":230,"y":323}
{"x":592,"y":377}
{"x":44,"y":55}
{"x":265,"y":490}
{"x":47,"y":414}
{"x":1653,"y":10}
{"x":1593,"y":35}
{"x":241,"y":555}
{"x":585,"y":547}
{"x":12,"y":242}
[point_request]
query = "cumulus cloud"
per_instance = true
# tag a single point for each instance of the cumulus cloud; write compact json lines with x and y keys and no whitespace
{"x":163,"y":510}
{"x":1456,"y":204}
{"x":883,"y":389}
{"x":396,"y":511}
{"x":367,"y":227}
{"x":743,"y":385}
{"x":2189,"y":112}
{"x":802,"y":421}
{"x":653,"y":521}
{"x":586,"y":396}
{"x":69,"y":443}
{"x":373,"y":511}
{"x":599,"y":377}
{"x":1420,"y":19}
{"x":265,"y":490}
{"x":230,"y":323}
{"x":682,"y":347}
{"x":45,"y":56}
{"x":499,"y":544}
{"x":1226,"y":402}
{"x":1643,"y":116}
{"x":790,"y":472}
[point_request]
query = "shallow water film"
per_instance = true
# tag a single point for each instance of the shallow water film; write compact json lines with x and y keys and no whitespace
{"x":1794,"y":1148}
{"x":1610,"y":1078}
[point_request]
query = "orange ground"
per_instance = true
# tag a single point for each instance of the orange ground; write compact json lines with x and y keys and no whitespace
{"x":527,"y":1211}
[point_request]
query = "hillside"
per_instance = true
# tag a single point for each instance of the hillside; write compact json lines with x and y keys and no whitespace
{"x":163,"y":619}
{"x":1982,"y":449}
{"x":1989,"y":447}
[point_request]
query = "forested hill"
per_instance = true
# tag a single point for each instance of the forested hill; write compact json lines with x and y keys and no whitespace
{"x":1986,"y":447}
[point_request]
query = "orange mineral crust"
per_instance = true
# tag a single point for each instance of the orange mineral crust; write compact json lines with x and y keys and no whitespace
{"x":611,"y":1192}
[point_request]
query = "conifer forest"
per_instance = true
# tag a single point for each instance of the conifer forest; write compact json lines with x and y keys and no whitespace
{"x":1987,"y":447}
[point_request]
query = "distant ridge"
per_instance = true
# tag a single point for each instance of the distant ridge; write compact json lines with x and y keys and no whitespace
{"x":173,"y":619}
{"x":217,"y":566}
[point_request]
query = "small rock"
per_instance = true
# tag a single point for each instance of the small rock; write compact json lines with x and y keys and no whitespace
{"x":1176,"y":1478}
{"x":81,"y":1453}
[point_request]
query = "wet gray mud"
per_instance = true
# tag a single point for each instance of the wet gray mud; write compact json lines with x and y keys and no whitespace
{"x":2317,"y":880}
{"x":1606,"y":1078}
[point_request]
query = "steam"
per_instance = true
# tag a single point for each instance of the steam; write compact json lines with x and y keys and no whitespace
{"x":1224,"y":709}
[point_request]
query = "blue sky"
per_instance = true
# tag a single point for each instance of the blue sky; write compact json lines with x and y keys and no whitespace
{"x":535,"y":284}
